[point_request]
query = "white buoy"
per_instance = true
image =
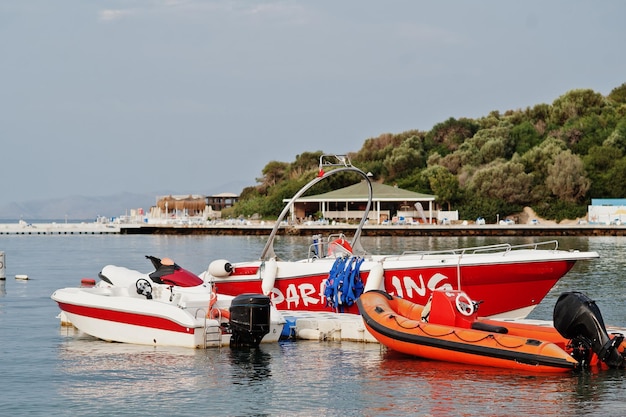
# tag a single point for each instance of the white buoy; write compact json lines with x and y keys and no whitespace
{"x":309,"y":334}
{"x":375,"y":278}
{"x":2,"y":266}
{"x":220,"y":268}
{"x":269,"y":276}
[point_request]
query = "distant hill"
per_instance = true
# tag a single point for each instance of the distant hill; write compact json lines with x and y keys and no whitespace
{"x":76,"y":207}
{"x":89,"y":208}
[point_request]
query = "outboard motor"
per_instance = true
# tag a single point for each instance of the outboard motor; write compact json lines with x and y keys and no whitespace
{"x":578,"y":318}
{"x":249,"y":319}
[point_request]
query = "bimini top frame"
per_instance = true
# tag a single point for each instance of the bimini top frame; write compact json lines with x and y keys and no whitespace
{"x":336,"y":164}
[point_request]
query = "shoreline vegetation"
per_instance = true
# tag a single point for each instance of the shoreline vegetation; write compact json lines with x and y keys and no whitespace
{"x":555,"y":158}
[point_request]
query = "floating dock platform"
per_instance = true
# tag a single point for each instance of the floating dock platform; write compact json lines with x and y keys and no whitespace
{"x":318,"y":325}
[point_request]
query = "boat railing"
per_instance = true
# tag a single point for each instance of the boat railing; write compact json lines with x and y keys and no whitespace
{"x":503,"y":248}
{"x":321,"y":246}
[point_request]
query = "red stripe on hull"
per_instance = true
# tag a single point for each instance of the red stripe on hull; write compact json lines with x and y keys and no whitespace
{"x":143,"y":320}
{"x":503,"y":287}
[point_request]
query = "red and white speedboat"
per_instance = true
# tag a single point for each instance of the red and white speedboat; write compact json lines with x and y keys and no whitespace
{"x":511,"y":280}
{"x":168,"y":307}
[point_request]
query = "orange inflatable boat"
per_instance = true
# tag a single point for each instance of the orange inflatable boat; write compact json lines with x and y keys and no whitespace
{"x":448,"y":329}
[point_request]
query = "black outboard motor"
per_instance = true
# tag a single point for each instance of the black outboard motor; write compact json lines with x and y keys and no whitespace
{"x":578,"y":318}
{"x":249,"y":319}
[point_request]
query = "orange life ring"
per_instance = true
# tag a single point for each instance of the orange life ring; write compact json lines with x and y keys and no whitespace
{"x":212,"y":301}
{"x":339,"y":242}
{"x":216,"y":313}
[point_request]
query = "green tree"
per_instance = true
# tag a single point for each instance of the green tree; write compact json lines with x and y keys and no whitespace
{"x":494,"y":142}
{"x":467,"y":154}
{"x":249,"y":193}
{"x":583,"y":132}
{"x":525,"y":136}
{"x":599,"y":163}
{"x":304,"y":162}
{"x":494,"y":148}
{"x":447,"y":136}
{"x":503,"y":180}
{"x":616,"y":187}
{"x":575,"y":104}
{"x":567,"y":179}
{"x":273,"y":173}
{"x":617,"y":138}
{"x":537,"y":162}
{"x":443,"y":184}
{"x":249,"y":206}
{"x":377,"y":148}
{"x":404,"y":159}
{"x":371,"y":156}
{"x":488,"y":208}
{"x":618,"y":94}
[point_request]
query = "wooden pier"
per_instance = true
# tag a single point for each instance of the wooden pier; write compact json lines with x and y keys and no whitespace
{"x":379,"y":230}
{"x":259,"y":229}
{"x":58,"y":228}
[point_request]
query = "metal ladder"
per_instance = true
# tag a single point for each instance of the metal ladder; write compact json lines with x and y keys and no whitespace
{"x":212,"y":334}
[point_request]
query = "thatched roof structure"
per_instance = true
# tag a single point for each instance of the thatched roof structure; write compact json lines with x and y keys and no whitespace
{"x":192,"y":203}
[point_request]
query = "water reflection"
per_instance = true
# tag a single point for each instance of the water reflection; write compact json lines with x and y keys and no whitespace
{"x":91,"y":377}
{"x":106,"y":377}
{"x":249,"y":365}
{"x":435,"y":388}
{"x":601,"y":279}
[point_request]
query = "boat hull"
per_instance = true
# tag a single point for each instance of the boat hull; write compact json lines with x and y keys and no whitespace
{"x":396,"y":323}
{"x":113,"y":331}
{"x":100,"y":313}
{"x":527,"y":276}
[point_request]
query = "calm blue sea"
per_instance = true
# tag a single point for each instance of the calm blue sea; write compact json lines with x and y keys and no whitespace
{"x":46,"y":370}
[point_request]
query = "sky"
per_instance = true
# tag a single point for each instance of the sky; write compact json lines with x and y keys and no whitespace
{"x":198,"y":96}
